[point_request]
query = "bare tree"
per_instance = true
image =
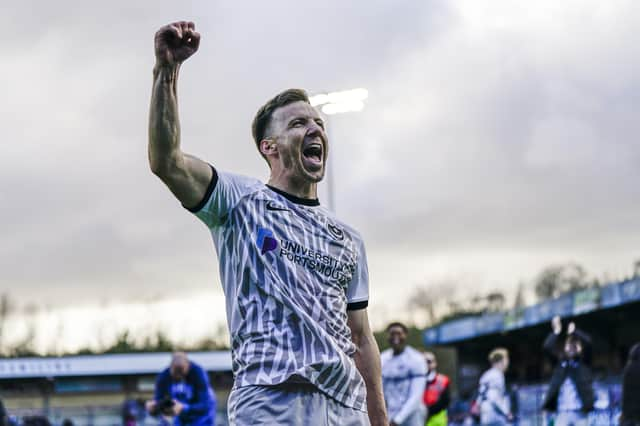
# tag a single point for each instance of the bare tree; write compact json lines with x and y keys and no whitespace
{"x":427,"y":301}
{"x":636,"y":269}
{"x":420,"y":301}
{"x":7,"y":307}
{"x":477,"y":303}
{"x":495,"y":301}
{"x":555,"y":280}
{"x":519,"y":301}
{"x":26,"y":346}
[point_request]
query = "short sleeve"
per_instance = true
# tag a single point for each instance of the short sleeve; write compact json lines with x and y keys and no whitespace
{"x":358,"y":288}
{"x":223,"y":193}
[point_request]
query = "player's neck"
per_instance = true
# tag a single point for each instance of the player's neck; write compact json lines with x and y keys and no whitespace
{"x":398,"y":351}
{"x":306,"y":190}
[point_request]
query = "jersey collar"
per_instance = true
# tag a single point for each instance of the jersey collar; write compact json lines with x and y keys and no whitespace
{"x":294,"y":199}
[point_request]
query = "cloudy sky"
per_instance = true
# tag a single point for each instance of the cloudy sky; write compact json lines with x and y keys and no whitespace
{"x":499,"y":137}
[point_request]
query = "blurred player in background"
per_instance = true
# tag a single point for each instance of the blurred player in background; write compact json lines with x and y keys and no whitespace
{"x":492,"y":396}
{"x":570,"y":394}
{"x":294,"y":276}
{"x":436,"y":394}
{"x":403,"y":379}
{"x":182,"y":391}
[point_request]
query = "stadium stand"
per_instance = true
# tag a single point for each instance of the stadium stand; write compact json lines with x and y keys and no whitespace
{"x":96,"y":389}
{"x":609,"y":314}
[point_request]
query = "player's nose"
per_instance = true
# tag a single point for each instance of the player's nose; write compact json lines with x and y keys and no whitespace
{"x":314,"y":129}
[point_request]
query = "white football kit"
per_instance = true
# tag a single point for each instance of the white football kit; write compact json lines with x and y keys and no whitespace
{"x":290,"y":271}
{"x":404,"y":378}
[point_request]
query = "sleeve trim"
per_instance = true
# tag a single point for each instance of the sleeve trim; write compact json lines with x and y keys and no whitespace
{"x":207,"y":194}
{"x":356,"y":306}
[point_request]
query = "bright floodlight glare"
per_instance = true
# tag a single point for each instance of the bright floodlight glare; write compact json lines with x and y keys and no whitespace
{"x":320,"y":99}
{"x":339,"y":108}
{"x":339,"y":102}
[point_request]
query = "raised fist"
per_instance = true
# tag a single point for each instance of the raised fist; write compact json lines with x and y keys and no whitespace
{"x":571,"y":328}
{"x":174,"y":43}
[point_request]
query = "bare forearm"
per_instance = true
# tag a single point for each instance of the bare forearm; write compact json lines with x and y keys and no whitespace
{"x":368,"y":362}
{"x":164,"y":123}
{"x":185,"y":175}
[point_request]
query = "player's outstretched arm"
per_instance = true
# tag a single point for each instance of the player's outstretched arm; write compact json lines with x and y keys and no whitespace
{"x":367,"y":359}
{"x":186,"y":176}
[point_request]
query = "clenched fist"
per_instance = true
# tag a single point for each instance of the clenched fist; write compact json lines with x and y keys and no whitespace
{"x":176,"y":42}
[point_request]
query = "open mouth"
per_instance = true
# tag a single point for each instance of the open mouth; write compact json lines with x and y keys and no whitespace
{"x":313,"y":153}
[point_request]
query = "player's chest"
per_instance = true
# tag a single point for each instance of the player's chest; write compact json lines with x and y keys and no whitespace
{"x":303,"y":239}
{"x":396,"y":369}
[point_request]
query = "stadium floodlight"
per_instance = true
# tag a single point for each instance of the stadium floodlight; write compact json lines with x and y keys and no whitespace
{"x":337,"y":103}
{"x":340,"y":102}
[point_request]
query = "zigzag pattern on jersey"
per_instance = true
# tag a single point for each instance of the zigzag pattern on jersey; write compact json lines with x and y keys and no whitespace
{"x":286,"y":320}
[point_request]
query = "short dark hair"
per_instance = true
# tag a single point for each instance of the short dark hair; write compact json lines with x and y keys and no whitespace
{"x":398,"y":324}
{"x":263,"y":116}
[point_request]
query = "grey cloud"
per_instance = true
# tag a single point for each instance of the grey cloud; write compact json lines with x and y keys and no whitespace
{"x":477,"y":135}
{"x":494,"y":148}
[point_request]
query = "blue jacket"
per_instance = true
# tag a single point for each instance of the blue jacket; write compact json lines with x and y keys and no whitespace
{"x":194,"y":392}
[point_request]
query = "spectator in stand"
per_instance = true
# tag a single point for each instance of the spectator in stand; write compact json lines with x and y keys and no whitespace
{"x":631,"y":389}
{"x":183,"y":392}
{"x":492,"y":397}
{"x":403,"y":379}
{"x":436,"y":394}
{"x":570,"y":394}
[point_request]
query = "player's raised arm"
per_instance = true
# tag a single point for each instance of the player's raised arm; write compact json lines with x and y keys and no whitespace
{"x":186,"y":176}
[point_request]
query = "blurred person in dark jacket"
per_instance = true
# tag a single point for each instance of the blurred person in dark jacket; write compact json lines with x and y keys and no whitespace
{"x":570,"y":394}
{"x":631,"y":389}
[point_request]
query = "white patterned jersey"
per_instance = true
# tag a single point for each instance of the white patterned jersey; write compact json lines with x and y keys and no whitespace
{"x":494,"y":405}
{"x":290,"y":271}
{"x":404,"y":377}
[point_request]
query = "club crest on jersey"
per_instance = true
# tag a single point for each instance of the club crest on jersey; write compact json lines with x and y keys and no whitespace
{"x":265,"y":241}
{"x":336,"y":233}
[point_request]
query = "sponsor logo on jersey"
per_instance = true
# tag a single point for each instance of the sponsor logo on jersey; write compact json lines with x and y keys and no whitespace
{"x":319,"y":262}
{"x":266,"y":242}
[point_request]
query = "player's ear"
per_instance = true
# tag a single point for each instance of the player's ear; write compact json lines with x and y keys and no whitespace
{"x":268,"y":147}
